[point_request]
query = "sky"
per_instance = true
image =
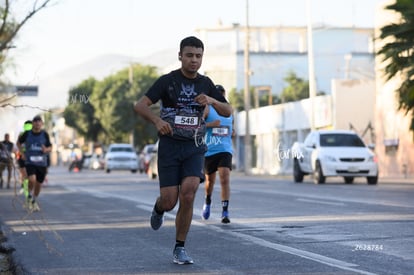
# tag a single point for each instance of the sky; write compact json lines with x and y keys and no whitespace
{"x":71,"y":32}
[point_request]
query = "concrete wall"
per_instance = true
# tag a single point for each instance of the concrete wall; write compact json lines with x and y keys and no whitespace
{"x":354,"y":105}
{"x":275,"y":128}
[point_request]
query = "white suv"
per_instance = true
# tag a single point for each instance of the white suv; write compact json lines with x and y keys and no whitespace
{"x":121,"y":156}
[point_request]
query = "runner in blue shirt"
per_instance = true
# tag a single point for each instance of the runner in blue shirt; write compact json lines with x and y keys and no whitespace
{"x":218,"y":158}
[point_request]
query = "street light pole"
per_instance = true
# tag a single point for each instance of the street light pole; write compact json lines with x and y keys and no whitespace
{"x":247,"y":143}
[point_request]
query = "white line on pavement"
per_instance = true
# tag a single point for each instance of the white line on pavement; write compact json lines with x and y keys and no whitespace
{"x":321,"y":202}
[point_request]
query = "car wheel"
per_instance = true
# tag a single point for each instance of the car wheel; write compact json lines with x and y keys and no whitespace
{"x":318,"y":174}
{"x":134,"y":171}
{"x":349,"y":179}
{"x":108,"y":170}
{"x":297,"y":173}
{"x":372,"y":180}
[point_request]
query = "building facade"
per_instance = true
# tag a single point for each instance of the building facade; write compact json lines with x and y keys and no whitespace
{"x":394,"y":141}
{"x":274,"y":129}
{"x":344,"y":70}
{"x":358,"y":97}
{"x":275,"y":51}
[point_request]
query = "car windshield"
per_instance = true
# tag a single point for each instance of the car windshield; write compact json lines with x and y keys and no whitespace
{"x":121,"y":149}
{"x":340,"y":140}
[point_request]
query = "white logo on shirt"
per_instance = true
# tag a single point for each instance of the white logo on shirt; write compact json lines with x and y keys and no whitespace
{"x":188,"y":90}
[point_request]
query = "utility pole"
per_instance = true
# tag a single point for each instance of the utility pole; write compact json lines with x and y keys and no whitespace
{"x":311,"y":65}
{"x":247,"y":143}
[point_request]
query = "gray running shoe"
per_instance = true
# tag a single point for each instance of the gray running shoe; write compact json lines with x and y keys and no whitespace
{"x":156,"y":220}
{"x":35,"y":206}
{"x":181,"y":257}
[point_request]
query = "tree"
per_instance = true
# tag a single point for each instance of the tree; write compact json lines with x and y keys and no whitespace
{"x":10,"y":26}
{"x":236,"y":100}
{"x":264,"y":100}
{"x":398,"y":53}
{"x":80,"y":113}
{"x":113,"y":99}
{"x":297,"y":89}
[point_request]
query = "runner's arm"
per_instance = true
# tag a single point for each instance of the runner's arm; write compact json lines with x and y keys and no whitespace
{"x":142,"y":108}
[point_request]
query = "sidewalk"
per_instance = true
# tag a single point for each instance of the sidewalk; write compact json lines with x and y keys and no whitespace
{"x":401,"y":179}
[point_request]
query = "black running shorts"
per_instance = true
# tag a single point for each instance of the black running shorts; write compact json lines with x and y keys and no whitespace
{"x":178,"y":159}
{"x":39,"y":171}
{"x":21,"y":163}
{"x":213,"y":162}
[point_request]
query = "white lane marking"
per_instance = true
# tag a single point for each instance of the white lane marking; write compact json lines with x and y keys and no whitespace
{"x":290,"y":250}
{"x":282,"y":248}
{"x":301,"y":253}
{"x":368,"y":201}
{"x":321,"y":202}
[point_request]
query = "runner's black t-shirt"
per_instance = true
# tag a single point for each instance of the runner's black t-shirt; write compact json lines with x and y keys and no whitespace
{"x":33,"y":147}
{"x":177,"y":93}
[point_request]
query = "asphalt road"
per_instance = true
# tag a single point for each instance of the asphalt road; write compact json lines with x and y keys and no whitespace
{"x":97,"y":223}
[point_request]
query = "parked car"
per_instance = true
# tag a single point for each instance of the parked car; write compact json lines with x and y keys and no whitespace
{"x":144,"y":158}
{"x":152,"y":171}
{"x":121,"y":156}
{"x":334,"y":153}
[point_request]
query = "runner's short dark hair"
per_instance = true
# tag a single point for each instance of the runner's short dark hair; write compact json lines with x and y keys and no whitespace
{"x":191,"y":41}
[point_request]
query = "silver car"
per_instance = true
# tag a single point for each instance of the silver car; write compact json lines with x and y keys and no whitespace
{"x":121,"y":156}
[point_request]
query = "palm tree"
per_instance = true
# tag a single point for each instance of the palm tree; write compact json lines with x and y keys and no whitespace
{"x":399,"y":53}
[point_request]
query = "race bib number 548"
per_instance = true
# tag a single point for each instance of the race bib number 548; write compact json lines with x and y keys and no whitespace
{"x":186,"y":121}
